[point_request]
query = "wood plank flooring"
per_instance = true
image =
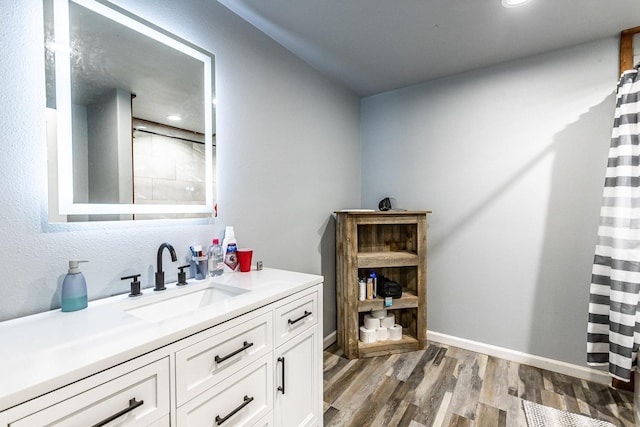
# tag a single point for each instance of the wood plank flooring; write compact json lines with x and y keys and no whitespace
{"x":451,"y":387}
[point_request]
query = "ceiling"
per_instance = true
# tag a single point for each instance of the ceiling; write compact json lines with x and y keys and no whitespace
{"x":373,"y":46}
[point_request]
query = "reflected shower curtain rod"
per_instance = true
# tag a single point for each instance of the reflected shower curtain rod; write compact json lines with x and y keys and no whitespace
{"x":172,"y":136}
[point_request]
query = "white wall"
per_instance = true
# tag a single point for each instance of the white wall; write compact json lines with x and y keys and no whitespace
{"x":288,"y":150}
{"x":511,"y":159}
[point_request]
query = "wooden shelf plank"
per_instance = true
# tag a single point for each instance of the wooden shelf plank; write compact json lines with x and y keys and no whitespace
{"x":407,"y":300}
{"x":381,"y":348}
{"x":387,"y":259}
{"x":381,"y":214}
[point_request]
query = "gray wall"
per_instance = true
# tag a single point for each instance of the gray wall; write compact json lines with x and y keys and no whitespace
{"x":288,"y":150}
{"x":511,"y":159}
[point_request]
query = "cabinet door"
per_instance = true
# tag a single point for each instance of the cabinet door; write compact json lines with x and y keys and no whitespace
{"x":297,"y":381}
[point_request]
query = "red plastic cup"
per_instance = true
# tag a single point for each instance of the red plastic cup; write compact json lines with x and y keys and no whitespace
{"x":244,"y":258}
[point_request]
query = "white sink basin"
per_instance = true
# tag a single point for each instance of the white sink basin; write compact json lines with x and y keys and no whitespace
{"x":179,"y":302}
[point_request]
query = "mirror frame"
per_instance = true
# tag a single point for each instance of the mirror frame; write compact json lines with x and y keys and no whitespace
{"x":66,"y":205}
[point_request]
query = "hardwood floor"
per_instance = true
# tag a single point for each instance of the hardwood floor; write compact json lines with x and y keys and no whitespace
{"x":449,"y":386}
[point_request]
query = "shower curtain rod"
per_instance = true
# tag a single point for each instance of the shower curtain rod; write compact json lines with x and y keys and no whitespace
{"x":172,"y":136}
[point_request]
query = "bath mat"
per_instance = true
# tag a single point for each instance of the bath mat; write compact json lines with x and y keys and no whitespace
{"x":544,"y":416}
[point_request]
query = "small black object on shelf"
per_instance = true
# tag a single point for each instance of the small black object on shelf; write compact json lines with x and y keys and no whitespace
{"x":385,"y":204}
{"x":389,"y":288}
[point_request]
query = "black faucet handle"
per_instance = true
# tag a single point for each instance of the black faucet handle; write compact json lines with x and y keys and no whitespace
{"x":182,"y":276}
{"x":135,"y":285}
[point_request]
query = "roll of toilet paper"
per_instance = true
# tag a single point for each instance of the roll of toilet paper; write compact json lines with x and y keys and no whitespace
{"x":395,"y":333}
{"x":382,"y":334}
{"x":368,"y":336}
{"x":379,"y":313}
{"x":371,"y":322}
{"x":388,"y":321}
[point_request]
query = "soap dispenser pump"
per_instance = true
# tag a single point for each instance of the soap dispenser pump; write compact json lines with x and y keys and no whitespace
{"x":74,"y":289}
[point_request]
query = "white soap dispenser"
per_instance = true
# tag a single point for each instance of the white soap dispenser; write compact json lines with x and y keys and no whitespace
{"x":74,"y":289}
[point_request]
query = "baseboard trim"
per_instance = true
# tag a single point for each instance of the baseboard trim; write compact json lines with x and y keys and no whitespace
{"x":329,"y":340}
{"x":558,"y":366}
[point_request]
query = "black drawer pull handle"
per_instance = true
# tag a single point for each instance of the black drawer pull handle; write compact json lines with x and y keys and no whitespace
{"x":133,"y":404}
{"x":304,"y":316}
{"x":281,"y":388}
{"x":247,"y":400}
{"x":245,"y":346}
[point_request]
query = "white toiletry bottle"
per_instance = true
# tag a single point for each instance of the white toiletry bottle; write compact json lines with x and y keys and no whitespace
{"x":74,"y":289}
{"x":362,"y":290}
{"x":230,"y":249}
{"x":216,"y":258}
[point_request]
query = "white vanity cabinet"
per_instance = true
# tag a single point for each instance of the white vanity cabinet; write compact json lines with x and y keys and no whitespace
{"x":259,"y":366}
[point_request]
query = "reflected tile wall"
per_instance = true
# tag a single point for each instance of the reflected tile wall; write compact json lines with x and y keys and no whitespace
{"x":167,"y":170}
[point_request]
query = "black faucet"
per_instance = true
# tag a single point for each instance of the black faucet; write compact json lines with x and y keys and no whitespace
{"x":159,"y":272}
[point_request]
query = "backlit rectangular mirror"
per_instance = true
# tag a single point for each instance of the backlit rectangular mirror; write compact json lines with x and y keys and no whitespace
{"x":130,"y":117}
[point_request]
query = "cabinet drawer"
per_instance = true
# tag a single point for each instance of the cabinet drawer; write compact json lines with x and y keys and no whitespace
{"x":145,"y":392}
{"x":206,"y":363}
{"x":241,"y":400}
{"x":295,"y":317}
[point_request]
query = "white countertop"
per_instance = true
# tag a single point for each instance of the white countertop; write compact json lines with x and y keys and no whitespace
{"x":46,"y":351}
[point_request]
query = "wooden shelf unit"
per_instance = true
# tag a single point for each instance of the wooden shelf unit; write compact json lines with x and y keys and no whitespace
{"x":394,"y":245}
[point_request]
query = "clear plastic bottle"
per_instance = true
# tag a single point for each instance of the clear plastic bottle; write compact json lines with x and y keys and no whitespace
{"x":216,"y":259}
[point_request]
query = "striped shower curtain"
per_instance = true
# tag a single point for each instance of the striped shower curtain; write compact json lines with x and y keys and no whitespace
{"x":613,"y":332}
